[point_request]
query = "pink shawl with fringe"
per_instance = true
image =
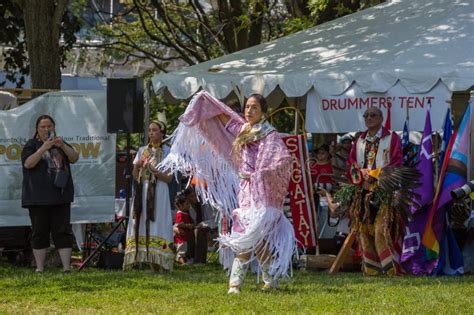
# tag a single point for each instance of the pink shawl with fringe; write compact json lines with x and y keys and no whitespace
{"x":206,"y":137}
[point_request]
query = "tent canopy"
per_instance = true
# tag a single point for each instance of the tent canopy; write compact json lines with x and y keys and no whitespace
{"x":415,"y":42}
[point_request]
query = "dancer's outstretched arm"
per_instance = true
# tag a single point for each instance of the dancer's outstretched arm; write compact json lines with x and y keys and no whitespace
{"x":224,"y":118}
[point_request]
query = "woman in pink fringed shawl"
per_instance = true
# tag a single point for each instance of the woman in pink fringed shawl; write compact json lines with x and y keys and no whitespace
{"x":247,"y":169}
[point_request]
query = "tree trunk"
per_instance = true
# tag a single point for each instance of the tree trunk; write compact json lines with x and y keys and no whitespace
{"x":256,"y":25}
{"x":225,"y":17}
{"x":241,"y":38}
{"x":298,"y":8}
{"x":42,"y":27}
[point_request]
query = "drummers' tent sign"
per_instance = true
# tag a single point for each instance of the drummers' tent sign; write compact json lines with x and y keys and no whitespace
{"x":81,"y":120}
{"x":343,"y":113}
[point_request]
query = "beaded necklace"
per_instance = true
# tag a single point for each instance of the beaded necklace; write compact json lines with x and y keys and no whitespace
{"x":371,"y":149}
{"x":152,"y":152}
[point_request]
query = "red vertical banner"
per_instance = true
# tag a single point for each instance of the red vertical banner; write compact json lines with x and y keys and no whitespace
{"x":301,"y":206}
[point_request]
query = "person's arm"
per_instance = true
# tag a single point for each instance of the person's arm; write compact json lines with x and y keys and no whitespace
{"x":352,"y":158}
{"x":32,"y":160}
{"x":180,"y":226}
{"x":136,"y":170}
{"x":163,"y":176}
{"x":208,"y":217}
{"x":396,"y":154}
{"x":71,"y":154}
{"x":184,"y":225}
{"x":224,"y":118}
{"x":137,"y":164}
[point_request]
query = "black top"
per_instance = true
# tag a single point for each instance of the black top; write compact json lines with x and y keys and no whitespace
{"x":38,"y":182}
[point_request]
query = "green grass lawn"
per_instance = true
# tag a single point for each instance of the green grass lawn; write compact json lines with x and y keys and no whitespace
{"x":202,"y":290}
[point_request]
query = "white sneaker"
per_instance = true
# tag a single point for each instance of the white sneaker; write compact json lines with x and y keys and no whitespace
{"x":234,"y":290}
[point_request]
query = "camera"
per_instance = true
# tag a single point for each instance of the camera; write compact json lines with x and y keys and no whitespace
{"x":463,"y":191}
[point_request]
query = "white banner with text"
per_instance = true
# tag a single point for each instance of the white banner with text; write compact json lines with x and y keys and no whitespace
{"x":343,"y":113}
{"x":81,"y":120}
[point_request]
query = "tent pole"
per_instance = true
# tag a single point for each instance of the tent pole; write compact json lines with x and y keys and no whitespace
{"x":470,"y":165}
{"x":296,"y":124}
{"x":238,"y":91}
{"x":297,"y":120}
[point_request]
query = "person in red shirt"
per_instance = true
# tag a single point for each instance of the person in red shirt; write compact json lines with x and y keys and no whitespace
{"x":322,"y":165}
{"x":183,"y":227}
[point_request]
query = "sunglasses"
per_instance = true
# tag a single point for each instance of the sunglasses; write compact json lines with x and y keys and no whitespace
{"x":371,"y":115}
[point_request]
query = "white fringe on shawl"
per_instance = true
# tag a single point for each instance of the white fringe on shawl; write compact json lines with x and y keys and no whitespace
{"x":191,"y":154}
{"x":266,"y":228}
{"x":201,"y":147}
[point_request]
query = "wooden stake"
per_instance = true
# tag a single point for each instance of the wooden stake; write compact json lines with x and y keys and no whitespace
{"x":341,"y":256}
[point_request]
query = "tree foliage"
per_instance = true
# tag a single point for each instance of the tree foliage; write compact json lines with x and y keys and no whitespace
{"x":190,"y":31}
{"x":15,"y":56}
{"x":165,"y":31}
{"x":13,"y":39}
{"x":327,"y":10}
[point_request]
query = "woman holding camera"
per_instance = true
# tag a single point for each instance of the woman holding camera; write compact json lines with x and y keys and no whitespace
{"x":48,"y":191}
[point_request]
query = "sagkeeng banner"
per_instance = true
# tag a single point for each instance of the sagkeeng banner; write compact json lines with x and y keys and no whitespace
{"x":81,"y":120}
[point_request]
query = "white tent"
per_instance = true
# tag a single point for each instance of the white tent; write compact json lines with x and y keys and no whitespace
{"x":415,"y":47}
{"x":416,"y":43}
{"x":7,"y":100}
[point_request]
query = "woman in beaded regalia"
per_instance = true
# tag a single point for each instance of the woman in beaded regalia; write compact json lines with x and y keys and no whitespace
{"x":149,"y":230}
